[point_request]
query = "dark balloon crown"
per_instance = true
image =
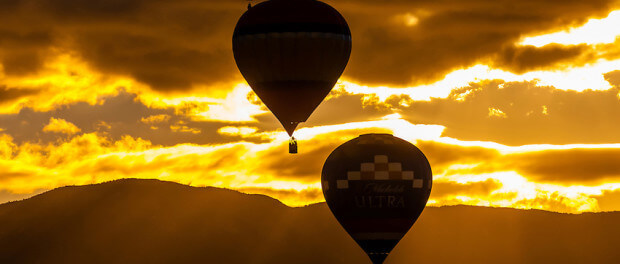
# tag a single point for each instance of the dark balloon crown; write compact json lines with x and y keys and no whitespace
{"x":292,"y":16}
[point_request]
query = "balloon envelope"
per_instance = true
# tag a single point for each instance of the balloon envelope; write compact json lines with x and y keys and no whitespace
{"x":376,"y":185}
{"x":291,"y":52}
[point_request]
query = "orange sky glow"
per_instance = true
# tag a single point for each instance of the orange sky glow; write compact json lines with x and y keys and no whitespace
{"x":511,"y":109}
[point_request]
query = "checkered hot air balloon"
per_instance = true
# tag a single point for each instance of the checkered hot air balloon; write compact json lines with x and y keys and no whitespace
{"x":291,"y":52}
{"x":376,"y":185}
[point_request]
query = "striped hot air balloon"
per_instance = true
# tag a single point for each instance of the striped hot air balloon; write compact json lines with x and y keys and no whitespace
{"x":291,"y":52}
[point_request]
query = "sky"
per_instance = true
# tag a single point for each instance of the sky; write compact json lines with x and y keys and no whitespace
{"x":514,"y":102}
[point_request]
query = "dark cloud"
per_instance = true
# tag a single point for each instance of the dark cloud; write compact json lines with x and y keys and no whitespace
{"x":453,"y":34}
{"x":342,"y":109}
{"x":171,"y":45}
{"x":533,"y":114}
{"x":581,"y":166}
{"x":21,"y":63}
{"x":89,"y":8}
{"x":441,"y":155}
{"x":162,"y":61}
{"x":117,"y":116}
{"x":521,"y":59}
{"x":9,"y":94}
{"x":613,"y":78}
{"x":526,"y":58}
{"x":572,"y":166}
{"x":23,"y":52}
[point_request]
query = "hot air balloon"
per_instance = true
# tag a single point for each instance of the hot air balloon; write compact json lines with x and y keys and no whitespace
{"x":376,"y":185}
{"x":291,"y":52}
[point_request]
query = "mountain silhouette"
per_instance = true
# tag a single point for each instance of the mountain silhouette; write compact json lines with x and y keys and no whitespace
{"x":150,"y":221}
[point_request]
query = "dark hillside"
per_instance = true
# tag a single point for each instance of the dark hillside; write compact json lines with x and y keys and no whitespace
{"x":149,"y":221}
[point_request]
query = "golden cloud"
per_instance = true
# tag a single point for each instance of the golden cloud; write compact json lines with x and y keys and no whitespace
{"x":62,"y":80}
{"x":242,"y":131}
{"x":447,"y":190}
{"x":594,"y":31}
{"x":155,"y":119}
{"x":180,"y":126}
{"x":476,"y":173}
{"x":568,"y":166}
{"x":59,"y":125}
{"x":496,"y":112}
{"x":521,"y":113}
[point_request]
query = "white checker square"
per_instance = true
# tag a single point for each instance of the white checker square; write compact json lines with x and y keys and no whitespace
{"x":395,"y":166}
{"x":381,"y":159}
{"x":342,"y":184}
{"x":382,"y":175}
{"x":367,"y":166}
{"x":418,"y":183}
{"x":354,"y":175}
{"x":407,"y":175}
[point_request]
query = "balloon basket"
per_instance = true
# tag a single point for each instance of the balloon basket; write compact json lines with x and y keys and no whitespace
{"x":292,"y":146}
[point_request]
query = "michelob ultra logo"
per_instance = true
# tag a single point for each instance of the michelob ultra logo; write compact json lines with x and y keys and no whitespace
{"x":379,"y":184}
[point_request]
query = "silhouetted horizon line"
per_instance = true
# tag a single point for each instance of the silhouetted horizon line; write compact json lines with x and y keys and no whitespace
{"x":124,"y":180}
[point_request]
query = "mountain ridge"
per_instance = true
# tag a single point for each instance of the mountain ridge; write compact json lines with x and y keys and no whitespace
{"x":124,"y":180}
{"x":152,"y":221}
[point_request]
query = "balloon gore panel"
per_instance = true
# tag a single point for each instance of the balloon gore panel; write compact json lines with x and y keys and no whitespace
{"x":292,"y":101}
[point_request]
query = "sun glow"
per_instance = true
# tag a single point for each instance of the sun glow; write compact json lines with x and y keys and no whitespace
{"x":237,"y":131}
{"x":407,"y":19}
{"x":67,"y":79}
{"x":588,"y":77}
{"x":595,"y":31}
{"x":59,"y":125}
{"x":63,"y":80}
{"x":517,"y":192}
{"x":92,"y":158}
